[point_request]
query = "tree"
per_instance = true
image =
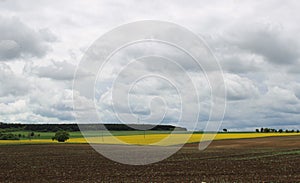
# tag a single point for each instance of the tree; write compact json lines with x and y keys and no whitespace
{"x":262,"y":130}
{"x":225,"y":130}
{"x":61,"y":136}
{"x":257,"y":130}
{"x":280,"y":130}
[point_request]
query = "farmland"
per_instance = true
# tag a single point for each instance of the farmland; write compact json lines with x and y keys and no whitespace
{"x":266,"y":159}
{"x":135,"y":137}
{"x":239,"y":157}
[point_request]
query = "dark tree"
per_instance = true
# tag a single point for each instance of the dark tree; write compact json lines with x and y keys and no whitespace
{"x":262,"y":130}
{"x":257,"y":130}
{"x":280,"y":130}
{"x":61,"y":136}
{"x":225,"y":130}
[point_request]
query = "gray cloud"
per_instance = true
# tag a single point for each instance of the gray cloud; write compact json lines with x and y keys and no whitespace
{"x":17,"y":40}
{"x":61,"y":71}
{"x":271,"y":45}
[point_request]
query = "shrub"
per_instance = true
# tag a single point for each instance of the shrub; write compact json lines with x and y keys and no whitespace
{"x":9,"y":136}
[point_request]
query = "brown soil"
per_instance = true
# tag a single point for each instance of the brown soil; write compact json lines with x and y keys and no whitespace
{"x":272,"y":159}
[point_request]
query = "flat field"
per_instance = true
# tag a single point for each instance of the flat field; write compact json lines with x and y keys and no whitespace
{"x":161,"y":138}
{"x":266,"y":159}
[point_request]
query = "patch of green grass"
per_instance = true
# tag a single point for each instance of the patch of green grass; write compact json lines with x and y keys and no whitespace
{"x":43,"y":135}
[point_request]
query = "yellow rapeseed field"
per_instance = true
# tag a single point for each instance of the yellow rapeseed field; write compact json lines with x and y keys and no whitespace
{"x":152,"y":139}
{"x":173,"y":139}
{"x":33,"y":141}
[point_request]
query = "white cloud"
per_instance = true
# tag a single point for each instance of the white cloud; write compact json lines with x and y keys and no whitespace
{"x":13,"y":108}
{"x":11,"y":83}
{"x":240,"y":88}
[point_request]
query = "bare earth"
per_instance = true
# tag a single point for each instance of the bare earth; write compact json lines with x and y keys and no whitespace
{"x":271,"y":159}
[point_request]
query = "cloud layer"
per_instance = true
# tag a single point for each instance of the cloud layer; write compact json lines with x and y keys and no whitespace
{"x":256,"y":43}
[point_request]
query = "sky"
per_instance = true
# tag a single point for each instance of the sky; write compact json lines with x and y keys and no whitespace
{"x":256,"y":43}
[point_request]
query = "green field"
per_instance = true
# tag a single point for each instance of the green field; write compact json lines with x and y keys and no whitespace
{"x":49,"y":135}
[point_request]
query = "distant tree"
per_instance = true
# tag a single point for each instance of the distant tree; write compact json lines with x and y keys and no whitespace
{"x":280,"y":130}
{"x":266,"y":130}
{"x":297,"y":131}
{"x":257,"y":130}
{"x":32,"y":134}
{"x":293,"y":131}
{"x":262,"y":130}
{"x":287,"y":131}
{"x":225,"y":130}
{"x":61,"y":136}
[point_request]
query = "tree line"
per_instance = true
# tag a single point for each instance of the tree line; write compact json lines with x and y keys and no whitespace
{"x":273,"y":130}
{"x":11,"y":127}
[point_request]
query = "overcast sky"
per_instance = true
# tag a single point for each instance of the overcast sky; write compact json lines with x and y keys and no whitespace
{"x":256,"y":42}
